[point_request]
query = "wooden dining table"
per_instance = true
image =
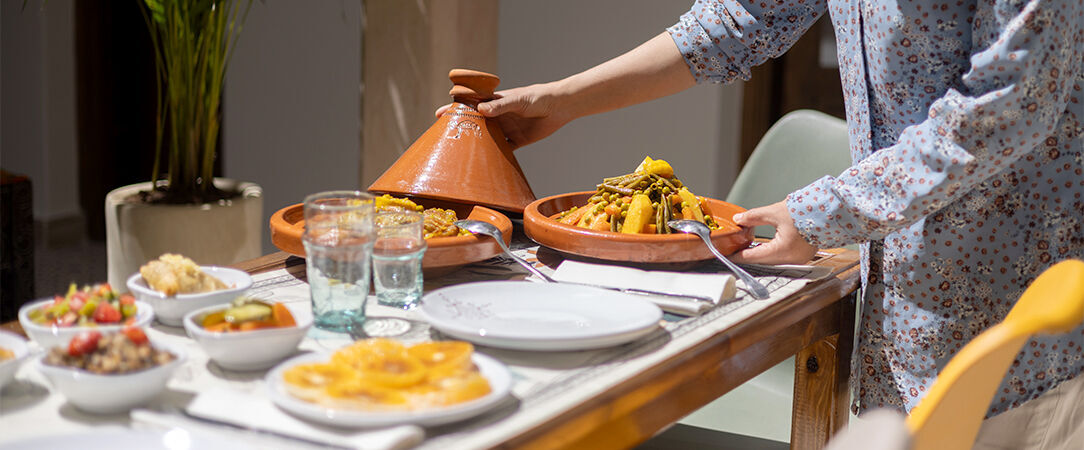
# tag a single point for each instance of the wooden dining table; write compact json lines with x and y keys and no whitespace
{"x":815,"y":324}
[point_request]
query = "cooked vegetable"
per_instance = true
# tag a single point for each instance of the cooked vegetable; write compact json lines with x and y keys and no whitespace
{"x":112,"y":354}
{"x":640,"y":212}
{"x":438,"y":222}
{"x":639,"y":202}
{"x":246,"y":314}
{"x":89,"y":306}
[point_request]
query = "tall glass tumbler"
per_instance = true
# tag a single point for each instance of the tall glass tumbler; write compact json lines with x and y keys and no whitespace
{"x":397,"y":258}
{"x":338,"y":243}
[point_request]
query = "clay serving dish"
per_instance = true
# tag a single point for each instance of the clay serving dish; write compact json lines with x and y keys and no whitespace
{"x":651,"y":249}
{"x":463,"y":157}
{"x":443,"y":255}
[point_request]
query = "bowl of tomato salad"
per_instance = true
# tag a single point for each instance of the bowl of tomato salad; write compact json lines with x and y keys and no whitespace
{"x":53,"y":322}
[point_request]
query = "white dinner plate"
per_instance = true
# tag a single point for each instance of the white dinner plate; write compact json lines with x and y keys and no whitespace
{"x":523,"y":315}
{"x":500,"y":382}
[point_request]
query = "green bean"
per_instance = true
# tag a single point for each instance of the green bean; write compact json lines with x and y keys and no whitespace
{"x":632,"y":182}
{"x":615,"y":189}
{"x":613,"y":223}
{"x":666,"y":183}
{"x":620,"y":179}
{"x":665,"y":218}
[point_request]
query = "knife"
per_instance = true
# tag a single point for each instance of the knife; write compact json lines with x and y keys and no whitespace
{"x":637,"y":291}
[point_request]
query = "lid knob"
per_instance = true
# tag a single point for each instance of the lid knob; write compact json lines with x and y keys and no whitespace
{"x":472,"y":84}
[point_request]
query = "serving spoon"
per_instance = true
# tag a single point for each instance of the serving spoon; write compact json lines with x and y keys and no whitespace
{"x":758,"y":290}
{"x":488,"y":229}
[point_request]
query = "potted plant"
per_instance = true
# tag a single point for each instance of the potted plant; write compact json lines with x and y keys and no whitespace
{"x":184,"y":208}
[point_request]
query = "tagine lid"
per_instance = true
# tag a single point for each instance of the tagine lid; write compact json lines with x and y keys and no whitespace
{"x":463,"y":157}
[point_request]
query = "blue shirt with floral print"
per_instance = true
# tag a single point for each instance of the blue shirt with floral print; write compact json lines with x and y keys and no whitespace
{"x":966,"y":123}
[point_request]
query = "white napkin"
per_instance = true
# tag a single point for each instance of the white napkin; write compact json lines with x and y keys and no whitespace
{"x":257,"y":412}
{"x":719,"y":286}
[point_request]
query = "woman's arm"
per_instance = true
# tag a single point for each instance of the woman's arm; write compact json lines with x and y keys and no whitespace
{"x":528,"y":114}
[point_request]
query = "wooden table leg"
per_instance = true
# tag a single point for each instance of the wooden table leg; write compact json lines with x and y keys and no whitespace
{"x":821,"y":391}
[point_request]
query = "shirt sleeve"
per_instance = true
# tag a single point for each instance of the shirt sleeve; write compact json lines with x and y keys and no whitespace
{"x":1012,"y":98}
{"x":722,"y":39}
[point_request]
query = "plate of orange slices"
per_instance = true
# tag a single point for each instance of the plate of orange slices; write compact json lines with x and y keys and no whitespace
{"x":381,"y":382}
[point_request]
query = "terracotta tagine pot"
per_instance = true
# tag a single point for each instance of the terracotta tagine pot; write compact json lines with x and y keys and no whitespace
{"x":464,"y":157}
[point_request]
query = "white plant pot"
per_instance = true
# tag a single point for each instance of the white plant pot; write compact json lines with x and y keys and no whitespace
{"x":220,"y":233}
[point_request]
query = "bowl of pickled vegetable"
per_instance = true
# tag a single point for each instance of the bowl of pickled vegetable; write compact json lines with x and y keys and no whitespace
{"x":53,"y":322}
{"x":248,"y":333}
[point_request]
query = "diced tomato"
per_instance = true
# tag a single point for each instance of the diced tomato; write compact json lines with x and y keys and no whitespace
{"x":104,"y":289}
{"x":84,"y":343}
{"x":76,"y":303}
{"x":127,"y":299}
{"x":136,"y":335}
{"x":58,"y":300}
{"x":106,"y":313}
{"x":68,"y":319}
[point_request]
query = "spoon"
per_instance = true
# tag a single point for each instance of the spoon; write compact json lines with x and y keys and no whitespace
{"x":698,"y":228}
{"x":488,"y":229}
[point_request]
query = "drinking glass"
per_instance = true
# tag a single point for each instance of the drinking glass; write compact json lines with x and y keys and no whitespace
{"x":397,"y":258}
{"x":338,"y":243}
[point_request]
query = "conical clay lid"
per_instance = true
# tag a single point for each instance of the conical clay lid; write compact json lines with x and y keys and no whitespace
{"x":464,"y":157}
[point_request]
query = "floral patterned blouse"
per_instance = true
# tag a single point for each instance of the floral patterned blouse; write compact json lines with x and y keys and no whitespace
{"x":966,"y":122}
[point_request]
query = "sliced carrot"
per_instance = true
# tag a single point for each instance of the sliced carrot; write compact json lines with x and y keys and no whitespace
{"x":613,"y":209}
{"x":651,"y":228}
{"x":601,"y":222}
{"x":575,"y":216}
{"x":704,"y":207}
{"x":220,"y":327}
{"x":281,"y":316}
{"x":256,"y":325}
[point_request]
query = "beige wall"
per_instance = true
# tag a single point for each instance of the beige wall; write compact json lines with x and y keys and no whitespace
{"x":292,"y":118}
{"x":697,"y":130}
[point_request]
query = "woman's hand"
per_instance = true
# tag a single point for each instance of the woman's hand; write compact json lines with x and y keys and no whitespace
{"x":525,"y":114}
{"x":788,"y":246}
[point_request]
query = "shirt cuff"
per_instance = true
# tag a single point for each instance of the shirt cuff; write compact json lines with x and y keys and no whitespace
{"x":706,"y":61}
{"x":818,"y":214}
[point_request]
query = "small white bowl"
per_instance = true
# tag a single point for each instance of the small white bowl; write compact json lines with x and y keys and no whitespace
{"x":171,"y":310}
{"x":15,"y":344}
{"x":249,"y":350}
{"x":48,"y":336}
{"x":107,"y":394}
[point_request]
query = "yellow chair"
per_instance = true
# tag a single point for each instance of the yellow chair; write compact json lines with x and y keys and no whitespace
{"x":950,"y":414}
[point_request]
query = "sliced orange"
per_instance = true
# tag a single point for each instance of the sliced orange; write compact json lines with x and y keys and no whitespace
{"x":357,"y":353}
{"x":394,"y":370}
{"x":317,"y":376}
{"x":443,"y":358}
{"x":364,"y":391}
{"x":464,"y":387}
